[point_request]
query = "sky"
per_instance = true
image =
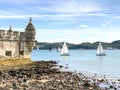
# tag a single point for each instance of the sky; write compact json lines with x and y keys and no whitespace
{"x":73,"y":21}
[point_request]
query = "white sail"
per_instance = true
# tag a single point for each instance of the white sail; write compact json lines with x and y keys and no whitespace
{"x":58,"y":49}
{"x":100,"y":50}
{"x":64,"y":50}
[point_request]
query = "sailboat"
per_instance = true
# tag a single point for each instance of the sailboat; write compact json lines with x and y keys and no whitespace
{"x":100,"y":51}
{"x":58,"y":49}
{"x":64,"y":50}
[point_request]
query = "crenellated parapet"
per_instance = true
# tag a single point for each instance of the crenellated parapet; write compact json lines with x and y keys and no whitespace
{"x":9,"y":34}
{"x":17,"y":44}
{"x":3,"y":34}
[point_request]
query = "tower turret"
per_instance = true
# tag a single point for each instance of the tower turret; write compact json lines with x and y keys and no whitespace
{"x":10,"y":33}
{"x":28,"y":41}
{"x":10,"y":29}
{"x":30,"y":31}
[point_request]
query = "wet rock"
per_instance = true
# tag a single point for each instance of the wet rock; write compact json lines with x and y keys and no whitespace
{"x":61,"y":66}
{"x":118,"y":79}
{"x":111,"y":86}
{"x":86,"y":84}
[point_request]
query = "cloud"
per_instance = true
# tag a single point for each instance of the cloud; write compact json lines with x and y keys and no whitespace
{"x":18,"y":1}
{"x":73,"y":6}
{"x":76,"y":35}
{"x":59,"y":9}
{"x":14,"y":29}
{"x":57,"y":15}
{"x":116,"y":17}
{"x":105,"y":24}
{"x":73,"y":35}
{"x":83,"y":26}
{"x":48,"y":8}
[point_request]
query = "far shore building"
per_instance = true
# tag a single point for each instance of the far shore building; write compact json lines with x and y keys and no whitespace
{"x":16,"y":44}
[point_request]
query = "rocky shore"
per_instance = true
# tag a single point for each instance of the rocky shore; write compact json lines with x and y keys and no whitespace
{"x":46,"y":75}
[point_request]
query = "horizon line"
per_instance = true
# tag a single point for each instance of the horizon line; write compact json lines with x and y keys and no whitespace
{"x":76,"y":43}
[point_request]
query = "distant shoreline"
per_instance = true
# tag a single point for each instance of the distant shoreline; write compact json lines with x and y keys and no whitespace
{"x":86,"y":45}
{"x":75,"y":49}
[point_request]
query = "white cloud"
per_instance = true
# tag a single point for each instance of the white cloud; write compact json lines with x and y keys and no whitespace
{"x":72,"y":6}
{"x":62,"y":9}
{"x":71,"y":11}
{"x":116,"y":17}
{"x":12,"y":16}
{"x":18,"y":1}
{"x":54,"y":10}
{"x":47,"y":16}
{"x":76,"y":35}
{"x":105,"y":24}
{"x":83,"y":26}
{"x":73,"y":35}
{"x":14,"y":29}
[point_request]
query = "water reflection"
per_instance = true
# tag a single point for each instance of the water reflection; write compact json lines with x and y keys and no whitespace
{"x":65,"y":57}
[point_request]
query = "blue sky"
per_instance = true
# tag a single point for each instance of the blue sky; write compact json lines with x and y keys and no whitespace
{"x":74,"y":21}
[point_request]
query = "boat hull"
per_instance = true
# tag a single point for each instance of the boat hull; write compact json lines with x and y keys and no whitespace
{"x":65,"y":54}
{"x":103,"y":54}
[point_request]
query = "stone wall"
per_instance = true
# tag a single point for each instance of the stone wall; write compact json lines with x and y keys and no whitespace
{"x":9,"y":48}
{"x":8,"y":63}
{"x":17,"y":44}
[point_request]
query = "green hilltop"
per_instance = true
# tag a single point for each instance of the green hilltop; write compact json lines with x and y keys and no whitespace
{"x":86,"y":45}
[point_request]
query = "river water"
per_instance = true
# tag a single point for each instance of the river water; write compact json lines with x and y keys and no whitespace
{"x":84,"y":60}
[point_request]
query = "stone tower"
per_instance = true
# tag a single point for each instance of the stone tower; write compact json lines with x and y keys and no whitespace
{"x":30,"y":31}
{"x":10,"y":33}
{"x":16,"y":44}
{"x":28,"y":40}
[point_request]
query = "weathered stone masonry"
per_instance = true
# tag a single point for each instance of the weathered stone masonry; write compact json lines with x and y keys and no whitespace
{"x":17,"y":44}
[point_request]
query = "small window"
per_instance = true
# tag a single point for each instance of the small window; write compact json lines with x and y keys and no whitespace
{"x":8,"y":53}
{"x":21,"y":52}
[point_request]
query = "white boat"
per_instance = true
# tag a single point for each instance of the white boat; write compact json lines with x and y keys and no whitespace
{"x":58,"y":49}
{"x":64,"y":50}
{"x":100,"y":51}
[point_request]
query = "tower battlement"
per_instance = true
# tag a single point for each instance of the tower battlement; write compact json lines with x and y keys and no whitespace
{"x":17,"y":44}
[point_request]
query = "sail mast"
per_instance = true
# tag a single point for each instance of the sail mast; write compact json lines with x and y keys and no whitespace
{"x":64,"y":50}
{"x":100,"y":51}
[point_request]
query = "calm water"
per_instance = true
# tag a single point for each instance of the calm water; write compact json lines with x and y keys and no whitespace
{"x":84,"y":60}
